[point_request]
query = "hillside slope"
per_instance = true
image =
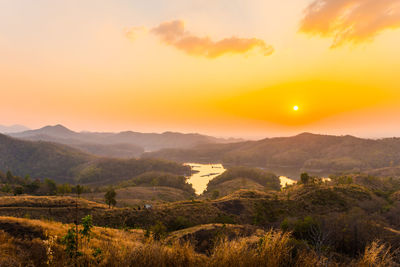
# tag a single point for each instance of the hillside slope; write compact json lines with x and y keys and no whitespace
{"x":65,"y":164}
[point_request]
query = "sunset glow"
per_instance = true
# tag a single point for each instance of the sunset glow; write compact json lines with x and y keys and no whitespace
{"x":215,"y":68}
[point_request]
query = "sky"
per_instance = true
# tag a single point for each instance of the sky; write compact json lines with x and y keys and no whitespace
{"x":220,"y":67}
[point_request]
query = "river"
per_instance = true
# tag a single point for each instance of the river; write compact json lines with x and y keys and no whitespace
{"x":203,"y":173}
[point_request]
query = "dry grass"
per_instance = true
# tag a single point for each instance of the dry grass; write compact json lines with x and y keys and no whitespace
{"x":274,"y":249}
{"x":377,"y":255}
{"x":138,"y":195}
{"x":47,"y":202}
{"x":130,"y":248}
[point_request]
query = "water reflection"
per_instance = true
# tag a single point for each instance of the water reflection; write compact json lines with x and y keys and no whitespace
{"x":285,"y":181}
{"x":203,"y":173}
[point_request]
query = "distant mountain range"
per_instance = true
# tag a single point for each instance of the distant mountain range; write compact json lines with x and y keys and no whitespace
{"x":122,"y":145}
{"x":66,"y":164}
{"x":13,"y":128}
{"x":316,"y":154}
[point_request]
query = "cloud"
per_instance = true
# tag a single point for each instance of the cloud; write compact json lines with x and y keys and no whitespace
{"x":350,"y":21}
{"x":173,"y":33}
{"x":134,"y":32}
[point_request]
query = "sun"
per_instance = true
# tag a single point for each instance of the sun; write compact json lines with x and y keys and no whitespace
{"x":296,"y":108}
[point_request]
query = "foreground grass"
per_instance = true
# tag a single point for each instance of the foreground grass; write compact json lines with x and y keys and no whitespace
{"x":38,"y":243}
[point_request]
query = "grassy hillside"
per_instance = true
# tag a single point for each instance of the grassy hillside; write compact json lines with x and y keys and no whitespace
{"x":316,"y":154}
{"x":140,"y":195}
{"x":40,"y":243}
{"x":40,"y":159}
{"x":242,"y":207}
{"x":314,"y":225}
{"x":65,"y":164}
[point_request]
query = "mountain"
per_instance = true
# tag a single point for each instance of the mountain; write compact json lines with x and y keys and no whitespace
{"x":123,"y":144}
{"x":13,"y":128}
{"x":65,"y":164}
{"x":316,"y":154}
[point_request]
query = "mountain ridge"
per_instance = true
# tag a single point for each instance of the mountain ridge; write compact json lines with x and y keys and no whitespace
{"x":146,"y":141}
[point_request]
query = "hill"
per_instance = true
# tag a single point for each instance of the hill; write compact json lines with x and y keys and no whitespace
{"x":44,"y":243}
{"x":134,"y":196}
{"x":65,"y":164}
{"x":334,"y":222}
{"x":236,"y":178}
{"x":122,"y":145}
{"x":290,"y":156}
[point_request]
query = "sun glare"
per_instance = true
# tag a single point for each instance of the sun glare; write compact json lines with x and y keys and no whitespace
{"x":296,"y":108}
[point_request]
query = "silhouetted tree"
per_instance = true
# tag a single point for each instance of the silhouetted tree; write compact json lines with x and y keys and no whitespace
{"x":305,"y":178}
{"x":110,"y":197}
{"x":63,"y":189}
{"x":9,"y":176}
{"x":78,"y":190}
{"x":19,"y":190}
{"x":51,"y":186}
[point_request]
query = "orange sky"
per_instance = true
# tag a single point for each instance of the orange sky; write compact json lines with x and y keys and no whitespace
{"x":227,"y":68}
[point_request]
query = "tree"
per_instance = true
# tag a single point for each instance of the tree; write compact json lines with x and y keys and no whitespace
{"x":51,"y":186}
{"x":215,"y":194}
{"x":70,"y":242}
{"x":305,"y":178}
{"x":159,"y":230}
{"x":6,"y":188}
{"x":10,"y":176}
{"x":79,"y":190}
{"x":19,"y":190}
{"x":64,"y":189}
{"x":87,"y":224}
{"x":110,"y":197}
{"x":154,"y":183}
{"x":33,"y":187}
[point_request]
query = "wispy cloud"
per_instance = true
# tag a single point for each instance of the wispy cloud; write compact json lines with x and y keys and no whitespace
{"x":350,"y":21}
{"x":134,"y":32}
{"x":173,"y":33}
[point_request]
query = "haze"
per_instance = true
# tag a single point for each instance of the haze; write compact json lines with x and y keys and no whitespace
{"x":225,"y":68}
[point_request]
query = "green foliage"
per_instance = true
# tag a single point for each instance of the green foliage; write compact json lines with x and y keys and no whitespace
{"x":303,"y":229}
{"x":159,"y":231}
{"x":78,"y":190}
{"x":305,"y":178}
{"x":9,"y":175}
{"x":343,"y":180}
{"x":6,"y":188}
{"x":215,"y":194}
{"x":226,"y":219}
{"x":117,"y":170}
{"x":64,"y":189}
{"x":269,"y":180}
{"x":110,"y":197}
{"x":18,"y":190}
{"x":97,"y":254}
{"x":160,"y":179}
{"x":87,"y":224}
{"x":51,"y":186}
{"x":179,"y":223}
{"x":70,"y":242}
{"x":19,"y":185}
